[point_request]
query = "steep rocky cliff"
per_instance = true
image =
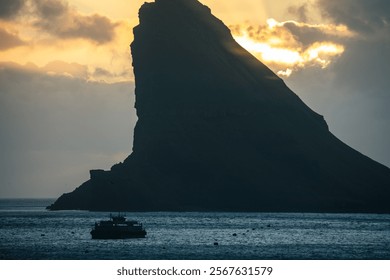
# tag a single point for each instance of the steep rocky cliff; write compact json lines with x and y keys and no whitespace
{"x":219,"y":131}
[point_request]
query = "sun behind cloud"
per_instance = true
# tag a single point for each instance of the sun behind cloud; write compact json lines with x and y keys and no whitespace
{"x":286,"y":47}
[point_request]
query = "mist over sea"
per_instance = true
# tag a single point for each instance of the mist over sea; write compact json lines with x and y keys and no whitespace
{"x":28,"y":231}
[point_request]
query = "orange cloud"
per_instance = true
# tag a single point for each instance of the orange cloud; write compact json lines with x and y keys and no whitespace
{"x":9,"y":40}
{"x":58,"y":19}
{"x":61,"y":40}
{"x":289,"y":46}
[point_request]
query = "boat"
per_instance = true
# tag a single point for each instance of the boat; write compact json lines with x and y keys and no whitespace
{"x":117,"y":227}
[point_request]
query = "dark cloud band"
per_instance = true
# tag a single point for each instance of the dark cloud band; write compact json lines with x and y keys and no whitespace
{"x":58,"y":19}
{"x":8,"y":40}
{"x":359,"y":15}
{"x":10,"y":8}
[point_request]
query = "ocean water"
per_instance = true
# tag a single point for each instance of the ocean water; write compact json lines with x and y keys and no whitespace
{"x":28,"y":231}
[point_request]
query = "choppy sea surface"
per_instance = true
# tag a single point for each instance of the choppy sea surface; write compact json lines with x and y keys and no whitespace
{"x":28,"y":231}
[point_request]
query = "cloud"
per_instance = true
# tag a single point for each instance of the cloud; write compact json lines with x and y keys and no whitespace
{"x":350,"y":86}
{"x":73,"y":70}
{"x":100,"y":72}
{"x":51,"y":8}
{"x":308,"y":34}
{"x":57,"y":18}
{"x":10,"y":8}
{"x":359,"y":15}
{"x":9,"y":40}
{"x":56,"y":128}
{"x":353,"y":93}
{"x":60,"y":20}
{"x":49,"y":33}
{"x":290,"y":45}
{"x":301,"y":11}
{"x":353,"y":96}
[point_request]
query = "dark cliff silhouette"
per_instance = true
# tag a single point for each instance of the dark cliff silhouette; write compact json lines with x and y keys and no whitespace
{"x":219,"y":131}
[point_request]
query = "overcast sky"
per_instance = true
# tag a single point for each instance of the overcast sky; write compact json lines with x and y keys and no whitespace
{"x":67,"y":90}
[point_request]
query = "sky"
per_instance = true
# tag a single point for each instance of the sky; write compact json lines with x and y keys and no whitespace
{"x":67,"y":86}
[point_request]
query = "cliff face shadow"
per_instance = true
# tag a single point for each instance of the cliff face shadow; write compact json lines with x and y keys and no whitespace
{"x":219,"y":131}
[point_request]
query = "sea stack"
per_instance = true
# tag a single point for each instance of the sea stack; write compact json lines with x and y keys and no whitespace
{"x":218,"y":131}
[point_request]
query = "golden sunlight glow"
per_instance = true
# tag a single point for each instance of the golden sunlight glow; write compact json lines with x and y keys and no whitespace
{"x":280,"y":49}
{"x":101,"y":54}
{"x":88,"y":55}
{"x":271,"y":23}
{"x":320,"y":52}
{"x":110,"y":62}
{"x":285,"y":73}
{"x":267,"y":53}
